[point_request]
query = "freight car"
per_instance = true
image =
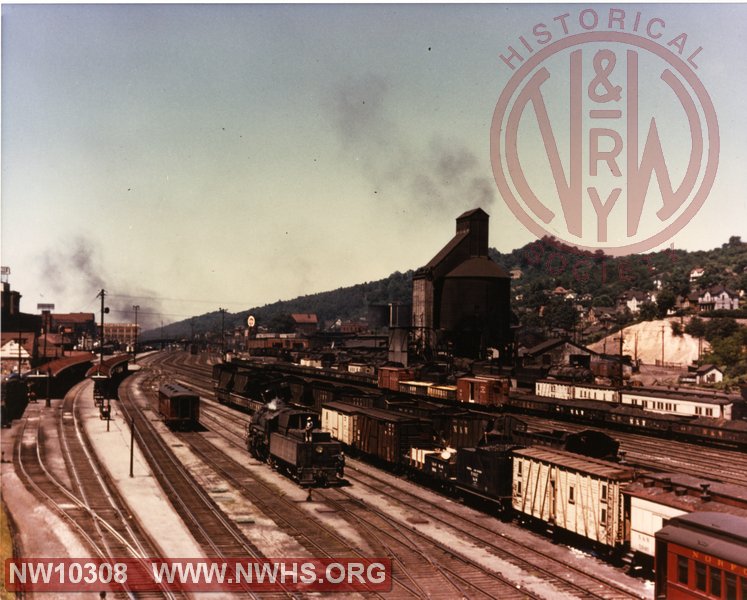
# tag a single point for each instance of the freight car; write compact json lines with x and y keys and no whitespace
{"x":702,"y":555}
{"x":291,"y":441}
{"x":573,"y":494}
{"x":179,"y":406}
{"x":382,"y":435}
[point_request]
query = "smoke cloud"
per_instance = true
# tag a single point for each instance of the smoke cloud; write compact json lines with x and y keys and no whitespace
{"x":441,"y":175}
{"x":73,"y":274}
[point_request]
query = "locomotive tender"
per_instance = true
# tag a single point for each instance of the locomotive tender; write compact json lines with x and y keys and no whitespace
{"x":290,"y":440}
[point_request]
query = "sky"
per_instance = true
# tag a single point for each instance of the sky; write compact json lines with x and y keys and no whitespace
{"x":187,"y":158}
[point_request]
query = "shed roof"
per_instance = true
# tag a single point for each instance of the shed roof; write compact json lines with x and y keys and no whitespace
{"x":692,"y":395}
{"x":304,"y":318}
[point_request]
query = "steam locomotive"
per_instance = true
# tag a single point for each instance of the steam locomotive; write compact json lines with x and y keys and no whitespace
{"x":291,"y":441}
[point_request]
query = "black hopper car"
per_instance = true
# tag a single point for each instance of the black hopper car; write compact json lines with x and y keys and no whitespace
{"x":290,"y":440}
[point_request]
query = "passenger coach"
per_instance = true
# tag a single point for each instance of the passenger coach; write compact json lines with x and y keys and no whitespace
{"x":702,"y":555}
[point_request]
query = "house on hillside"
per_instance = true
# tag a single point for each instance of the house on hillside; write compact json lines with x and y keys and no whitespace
{"x":718,"y":298}
{"x":633,"y":300}
{"x":696,"y":274}
{"x":601,"y":314}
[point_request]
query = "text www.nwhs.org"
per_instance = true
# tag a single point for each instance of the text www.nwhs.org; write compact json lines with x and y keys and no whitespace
{"x":198,"y":575}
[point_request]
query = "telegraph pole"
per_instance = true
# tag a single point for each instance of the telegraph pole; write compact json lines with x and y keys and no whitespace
{"x":102,"y":293}
{"x":622,"y":329}
{"x":222,"y":331}
{"x":662,"y":345}
{"x":135,"y":307}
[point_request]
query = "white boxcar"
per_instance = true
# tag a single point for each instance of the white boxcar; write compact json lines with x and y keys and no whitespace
{"x":572,"y":492}
{"x":552,"y":388}
{"x":340,"y":420}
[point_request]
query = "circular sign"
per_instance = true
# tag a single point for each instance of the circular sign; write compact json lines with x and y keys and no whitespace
{"x":605,"y":140}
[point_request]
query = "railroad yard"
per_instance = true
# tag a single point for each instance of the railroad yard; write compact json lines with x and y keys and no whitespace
{"x":67,"y":488}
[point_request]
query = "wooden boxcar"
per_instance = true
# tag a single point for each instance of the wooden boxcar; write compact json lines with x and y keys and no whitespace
{"x":488,"y":391}
{"x":389,"y":377}
{"x":577,"y":494}
{"x":179,"y":406}
{"x":702,"y":555}
{"x":341,"y":420}
{"x":387,"y":436}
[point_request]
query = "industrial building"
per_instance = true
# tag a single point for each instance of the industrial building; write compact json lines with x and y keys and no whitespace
{"x":461,"y":300}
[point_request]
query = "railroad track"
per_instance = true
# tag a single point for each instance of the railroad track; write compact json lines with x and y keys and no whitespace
{"x":558,"y":572}
{"x":466,"y":577}
{"x":211,"y":528}
{"x":646,"y":452}
{"x":424,"y":573}
{"x":89,"y":503}
{"x":416,"y":572}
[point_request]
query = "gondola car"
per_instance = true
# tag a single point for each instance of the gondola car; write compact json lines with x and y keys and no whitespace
{"x":702,"y":555}
{"x":290,"y":440}
{"x":179,"y":406}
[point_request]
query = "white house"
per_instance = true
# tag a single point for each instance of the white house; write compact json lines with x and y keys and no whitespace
{"x":709,"y":374}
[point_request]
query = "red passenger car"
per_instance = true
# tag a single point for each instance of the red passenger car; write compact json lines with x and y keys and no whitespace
{"x":702,"y":555}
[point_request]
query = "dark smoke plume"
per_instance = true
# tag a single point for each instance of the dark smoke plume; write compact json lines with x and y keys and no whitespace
{"x":439,"y":175}
{"x":74,"y":275}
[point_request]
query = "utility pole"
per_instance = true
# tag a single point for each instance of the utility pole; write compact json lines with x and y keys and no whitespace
{"x":222,"y":331}
{"x":662,"y":345}
{"x":132,"y":444}
{"x":622,"y":329}
{"x":20,"y":358}
{"x":46,"y":331}
{"x":102,"y":293}
{"x":135,"y":307}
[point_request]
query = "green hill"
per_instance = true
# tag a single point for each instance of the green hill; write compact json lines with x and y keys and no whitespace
{"x":545,"y":265}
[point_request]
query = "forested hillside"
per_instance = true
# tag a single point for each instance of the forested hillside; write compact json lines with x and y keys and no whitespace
{"x":544,"y":264}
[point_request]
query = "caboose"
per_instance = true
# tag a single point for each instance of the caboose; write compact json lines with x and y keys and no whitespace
{"x":179,"y":406}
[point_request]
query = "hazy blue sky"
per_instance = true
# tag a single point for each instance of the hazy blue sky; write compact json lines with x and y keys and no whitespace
{"x":190,"y":157}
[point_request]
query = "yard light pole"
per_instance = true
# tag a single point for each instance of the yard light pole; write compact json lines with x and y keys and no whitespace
{"x":135,"y":307}
{"x":104,"y":310}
